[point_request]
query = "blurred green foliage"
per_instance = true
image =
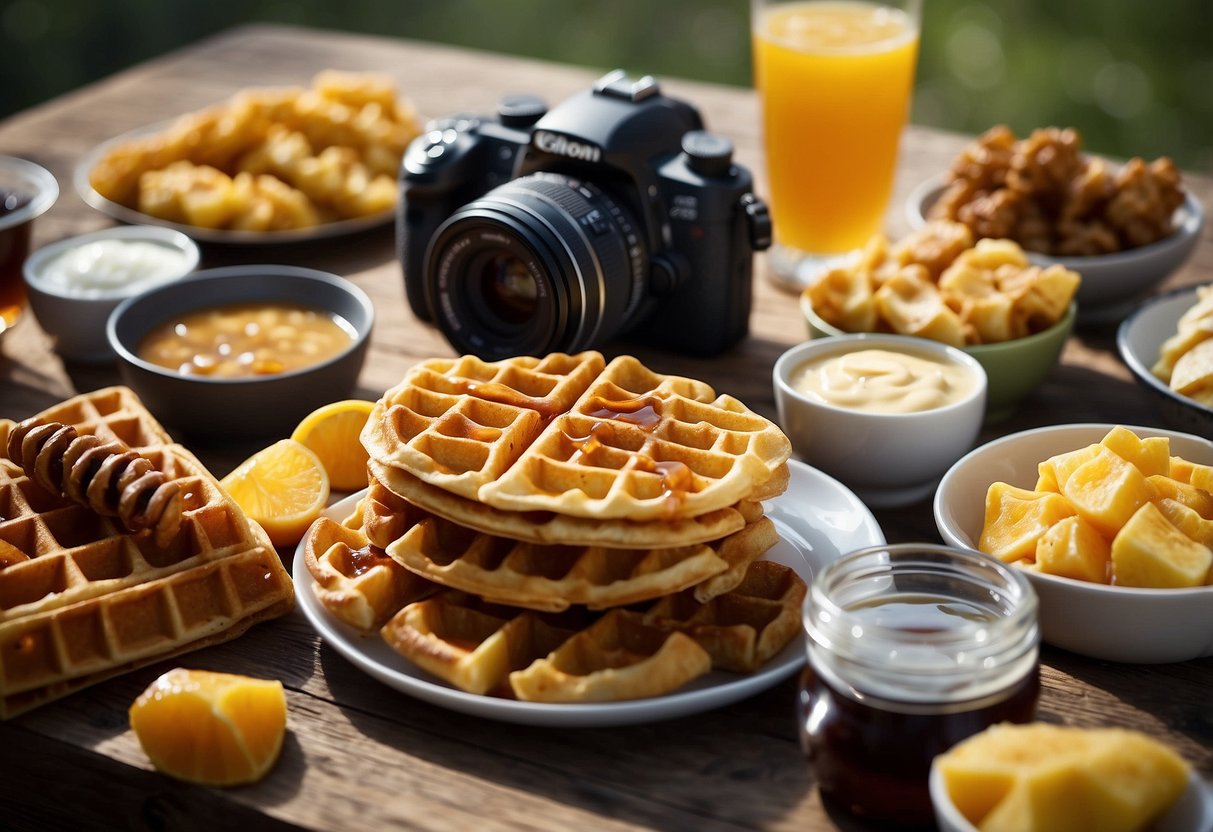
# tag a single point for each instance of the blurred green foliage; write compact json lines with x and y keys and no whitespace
{"x":1136,"y":78}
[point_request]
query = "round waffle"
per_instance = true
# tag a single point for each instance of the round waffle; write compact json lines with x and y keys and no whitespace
{"x":568,"y":435}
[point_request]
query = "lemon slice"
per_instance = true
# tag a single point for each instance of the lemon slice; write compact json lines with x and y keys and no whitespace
{"x":218,"y":729}
{"x":332,"y":432}
{"x":283,"y":487}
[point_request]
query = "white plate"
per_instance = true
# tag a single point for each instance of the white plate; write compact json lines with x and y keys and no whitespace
{"x":80,"y":179}
{"x":818,"y":520}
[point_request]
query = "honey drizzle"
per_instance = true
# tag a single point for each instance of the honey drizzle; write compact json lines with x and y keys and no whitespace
{"x":677,"y":478}
{"x":464,"y":428}
{"x":364,"y":559}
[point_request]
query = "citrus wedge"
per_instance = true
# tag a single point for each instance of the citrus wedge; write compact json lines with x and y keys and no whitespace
{"x":332,"y":432}
{"x":218,"y":729}
{"x":283,"y":487}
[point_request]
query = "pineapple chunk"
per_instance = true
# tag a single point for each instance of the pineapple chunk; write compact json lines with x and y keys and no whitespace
{"x":1187,"y":520}
{"x":1055,"y":470}
{"x":1197,"y":499}
{"x":1073,"y":548}
{"x":1106,"y":491}
{"x":1041,"y":778}
{"x":1201,"y":476}
{"x":1181,"y":469}
{"x":1150,"y":552}
{"x":1016,"y":519}
{"x":1151,"y":455}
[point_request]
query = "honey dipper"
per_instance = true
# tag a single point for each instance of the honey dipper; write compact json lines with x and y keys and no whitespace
{"x":107,"y":476}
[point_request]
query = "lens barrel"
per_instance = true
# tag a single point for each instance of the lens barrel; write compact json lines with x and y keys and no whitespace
{"x":544,"y":263}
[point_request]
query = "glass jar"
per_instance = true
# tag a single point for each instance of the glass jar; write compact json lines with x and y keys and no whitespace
{"x":912,"y":648}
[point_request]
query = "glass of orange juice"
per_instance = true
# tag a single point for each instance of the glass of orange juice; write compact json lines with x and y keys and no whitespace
{"x":835,"y":79}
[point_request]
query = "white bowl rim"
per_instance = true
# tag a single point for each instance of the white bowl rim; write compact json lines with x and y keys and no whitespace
{"x":32,"y":269}
{"x":1191,"y":222}
{"x":795,"y":355}
{"x":361,"y":335}
{"x":1136,"y":364}
{"x":1067,"y":320}
{"x":948,"y":534}
{"x":40,"y":202}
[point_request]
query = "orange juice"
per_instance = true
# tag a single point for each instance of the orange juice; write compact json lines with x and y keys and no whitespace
{"x":835,"y":78}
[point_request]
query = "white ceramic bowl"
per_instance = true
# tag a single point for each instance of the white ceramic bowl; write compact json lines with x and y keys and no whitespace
{"x":1125,"y":624}
{"x":76,"y":321}
{"x":1139,"y":339}
{"x":1192,"y":812}
{"x":1111,"y":283}
{"x":888,"y":459}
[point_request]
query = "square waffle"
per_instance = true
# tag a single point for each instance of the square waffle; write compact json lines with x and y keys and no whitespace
{"x":83,"y":598}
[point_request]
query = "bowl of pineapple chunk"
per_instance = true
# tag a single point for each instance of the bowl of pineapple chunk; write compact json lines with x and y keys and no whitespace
{"x":1113,"y":526}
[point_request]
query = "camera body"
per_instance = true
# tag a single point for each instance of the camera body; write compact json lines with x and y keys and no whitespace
{"x":613,"y":215}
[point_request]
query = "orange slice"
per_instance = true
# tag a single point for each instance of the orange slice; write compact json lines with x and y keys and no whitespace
{"x":214,"y":728}
{"x":283,"y":487}
{"x":332,"y":432}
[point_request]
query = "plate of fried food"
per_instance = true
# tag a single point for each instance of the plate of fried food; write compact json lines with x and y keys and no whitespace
{"x":561,"y":541}
{"x":268,"y":165}
{"x":1124,"y":227}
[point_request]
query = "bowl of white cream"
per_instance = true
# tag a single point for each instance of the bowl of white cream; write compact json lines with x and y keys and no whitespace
{"x":75,"y":284}
{"x":886,"y":415}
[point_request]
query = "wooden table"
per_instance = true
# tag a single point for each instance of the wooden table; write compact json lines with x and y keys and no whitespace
{"x":360,"y":755}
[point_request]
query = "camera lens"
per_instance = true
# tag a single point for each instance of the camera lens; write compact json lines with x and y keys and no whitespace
{"x":543,"y":263}
{"x":508,"y":289}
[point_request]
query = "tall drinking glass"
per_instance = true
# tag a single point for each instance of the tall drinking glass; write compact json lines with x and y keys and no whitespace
{"x":835,"y":78}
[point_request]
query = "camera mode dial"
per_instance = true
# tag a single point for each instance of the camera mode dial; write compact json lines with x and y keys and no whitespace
{"x":708,"y":154}
{"x":521,"y":110}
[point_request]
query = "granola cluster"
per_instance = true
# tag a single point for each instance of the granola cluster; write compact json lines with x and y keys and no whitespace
{"x":1045,"y":194}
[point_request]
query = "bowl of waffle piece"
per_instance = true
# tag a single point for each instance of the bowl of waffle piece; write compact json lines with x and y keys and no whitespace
{"x":1123,"y":228}
{"x":943,"y":284}
{"x":118,"y":548}
{"x":559,"y":540}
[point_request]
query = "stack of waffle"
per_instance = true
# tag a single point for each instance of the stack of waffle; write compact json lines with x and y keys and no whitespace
{"x":117,"y":549}
{"x":560,"y":529}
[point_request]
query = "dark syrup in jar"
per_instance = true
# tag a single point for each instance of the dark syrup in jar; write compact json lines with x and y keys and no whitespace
{"x":874,"y":762}
{"x":910,"y":652}
{"x":14,"y":247}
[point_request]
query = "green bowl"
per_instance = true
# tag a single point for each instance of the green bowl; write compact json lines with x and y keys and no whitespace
{"x":1014,"y":368}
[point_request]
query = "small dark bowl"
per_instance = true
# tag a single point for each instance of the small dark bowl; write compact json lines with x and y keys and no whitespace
{"x":1139,"y":338}
{"x":211,"y":408}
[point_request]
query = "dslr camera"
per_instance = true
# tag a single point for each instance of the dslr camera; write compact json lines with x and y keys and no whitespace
{"x":614,"y":215}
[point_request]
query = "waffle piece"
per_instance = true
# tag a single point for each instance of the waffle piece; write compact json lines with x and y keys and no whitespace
{"x":105,"y":475}
{"x":475,"y":645}
{"x":618,"y":657}
{"x":633,"y":445}
{"x":460,"y":423}
{"x":354,"y":579}
{"x":743,"y":629}
{"x":550,"y":528}
{"x":553,"y":577}
{"x":83,"y":598}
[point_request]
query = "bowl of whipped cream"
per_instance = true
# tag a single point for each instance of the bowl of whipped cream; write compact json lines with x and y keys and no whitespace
{"x":74,"y":284}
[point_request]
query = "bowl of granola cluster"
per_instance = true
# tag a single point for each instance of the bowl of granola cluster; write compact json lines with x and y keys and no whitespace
{"x":940,"y":283}
{"x":1124,"y":229}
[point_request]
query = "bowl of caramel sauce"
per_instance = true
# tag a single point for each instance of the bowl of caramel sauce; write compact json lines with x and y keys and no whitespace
{"x":242,"y":351}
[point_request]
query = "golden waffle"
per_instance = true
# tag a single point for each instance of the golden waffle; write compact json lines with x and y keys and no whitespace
{"x":354,"y":578}
{"x":460,"y":423}
{"x":577,"y":656}
{"x":547,"y":527}
{"x":553,"y":577}
{"x":743,"y":629}
{"x":563,"y":434}
{"x":474,"y":645}
{"x":82,"y":598}
{"x":618,"y":657}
